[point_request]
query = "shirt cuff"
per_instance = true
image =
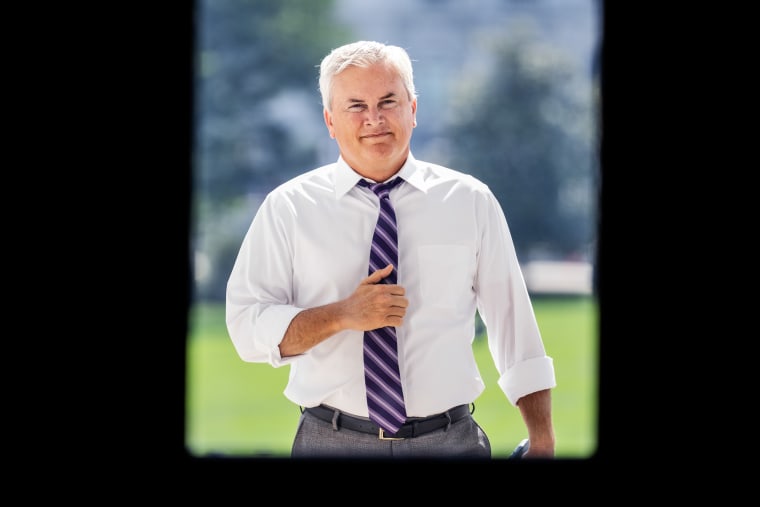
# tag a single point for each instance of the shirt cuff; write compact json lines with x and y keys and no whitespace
{"x":527,"y":377}
{"x":270,"y":330}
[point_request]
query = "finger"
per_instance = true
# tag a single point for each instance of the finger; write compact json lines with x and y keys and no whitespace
{"x":396,"y":290}
{"x":394,"y":321}
{"x":399,"y":300}
{"x":378,"y":275}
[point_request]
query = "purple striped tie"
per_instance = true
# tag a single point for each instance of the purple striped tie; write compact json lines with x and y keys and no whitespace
{"x":385,"y":398}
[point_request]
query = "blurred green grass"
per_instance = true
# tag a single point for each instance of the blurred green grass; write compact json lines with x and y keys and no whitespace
{"x":237,"y":409}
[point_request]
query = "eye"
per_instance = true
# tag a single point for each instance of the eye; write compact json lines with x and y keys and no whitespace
{"x":388,"y":104}
{"x":356,"y":108}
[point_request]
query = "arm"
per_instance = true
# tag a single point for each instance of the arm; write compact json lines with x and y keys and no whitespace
{"x":536,"y":411}
{"x":372,"y":305}
{"x":261,"y":304}
{"x":526,"y":372}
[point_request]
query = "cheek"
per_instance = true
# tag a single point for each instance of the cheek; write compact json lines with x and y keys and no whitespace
{"x":406,"y":119}
{"x":347,"y":126}
{"x":408,"y":122}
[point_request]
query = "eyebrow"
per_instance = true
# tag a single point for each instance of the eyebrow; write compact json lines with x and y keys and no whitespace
{"x":360,"y":101}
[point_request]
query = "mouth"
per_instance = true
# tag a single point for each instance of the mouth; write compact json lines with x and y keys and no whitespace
{"x":376,"y":135}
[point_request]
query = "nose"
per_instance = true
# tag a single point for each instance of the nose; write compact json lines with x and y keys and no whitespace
{"x":374,"y":116}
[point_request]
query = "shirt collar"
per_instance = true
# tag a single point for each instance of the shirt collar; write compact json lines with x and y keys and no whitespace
{"x":346,"y":178}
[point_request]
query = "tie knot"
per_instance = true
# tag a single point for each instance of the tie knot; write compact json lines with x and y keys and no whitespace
{"x":381,"y":189}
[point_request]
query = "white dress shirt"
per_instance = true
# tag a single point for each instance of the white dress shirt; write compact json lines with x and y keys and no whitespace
{"x":309,"y":244}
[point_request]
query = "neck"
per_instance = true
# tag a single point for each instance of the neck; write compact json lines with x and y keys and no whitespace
{"x":379,"y":172}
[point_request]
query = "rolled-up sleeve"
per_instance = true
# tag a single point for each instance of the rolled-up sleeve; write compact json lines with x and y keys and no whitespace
{"x":257,"y":335}
{"x":528,"y":377}
{"x":504,"y":304}
{"x":259,"y":297}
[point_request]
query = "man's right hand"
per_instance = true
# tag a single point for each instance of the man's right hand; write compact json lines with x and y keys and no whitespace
{"x":374,"y":305}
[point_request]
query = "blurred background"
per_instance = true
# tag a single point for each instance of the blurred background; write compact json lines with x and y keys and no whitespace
{"x":508,"y":92}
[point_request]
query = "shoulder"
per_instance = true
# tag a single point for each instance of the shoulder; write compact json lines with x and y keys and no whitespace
{"x":311,"y":184}
{"x":436,"y":175}
{"x":304,"y":189}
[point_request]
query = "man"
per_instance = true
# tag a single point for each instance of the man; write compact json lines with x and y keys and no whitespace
{"x":301,"y":293}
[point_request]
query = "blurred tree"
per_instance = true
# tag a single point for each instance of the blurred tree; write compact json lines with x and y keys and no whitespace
{"x":251,"y":51}
{"x":526,"y":129}
{"x":255,"y":73}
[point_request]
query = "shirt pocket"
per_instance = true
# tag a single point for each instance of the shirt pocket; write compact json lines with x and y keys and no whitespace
{"x":444,"y":273}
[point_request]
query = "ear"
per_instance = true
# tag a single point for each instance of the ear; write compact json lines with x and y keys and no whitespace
{"x":414,"y":113}
{"x":329,"y":123}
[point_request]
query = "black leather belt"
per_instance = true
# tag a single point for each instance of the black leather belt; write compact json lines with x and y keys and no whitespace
{"x":412,"y":428}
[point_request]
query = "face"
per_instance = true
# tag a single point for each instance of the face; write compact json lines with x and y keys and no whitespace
{"x":372,"y":120}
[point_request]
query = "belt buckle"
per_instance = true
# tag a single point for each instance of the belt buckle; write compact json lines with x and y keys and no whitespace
{"x":381,"y":436}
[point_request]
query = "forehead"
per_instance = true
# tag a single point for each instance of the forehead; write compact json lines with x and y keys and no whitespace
{"x":366,"y":83}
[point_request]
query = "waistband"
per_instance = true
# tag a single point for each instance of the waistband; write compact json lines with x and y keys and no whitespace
{"x":412,"y":428}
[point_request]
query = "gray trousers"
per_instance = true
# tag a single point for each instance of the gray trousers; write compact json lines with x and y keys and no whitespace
{"x":316,"y":438}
